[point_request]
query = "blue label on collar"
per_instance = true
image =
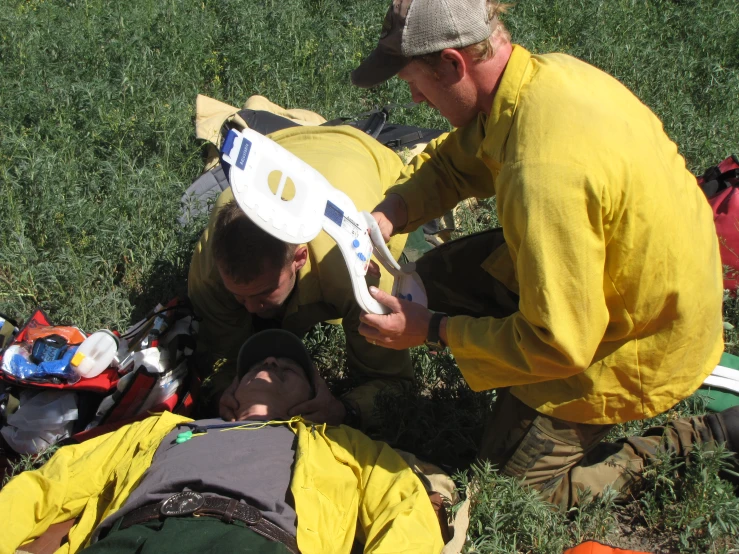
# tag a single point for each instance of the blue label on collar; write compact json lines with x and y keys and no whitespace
{"x":243,"y":154}
{"x":228,"y":144}
{"x":334,"y":213}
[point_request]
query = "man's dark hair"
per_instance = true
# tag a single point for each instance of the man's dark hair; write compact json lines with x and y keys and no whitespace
{"x":244,"y":251}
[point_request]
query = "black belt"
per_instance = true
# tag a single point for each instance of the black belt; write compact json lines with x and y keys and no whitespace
{"x":228,"y":509}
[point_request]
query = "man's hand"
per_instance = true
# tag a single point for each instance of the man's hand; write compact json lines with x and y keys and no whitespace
{"x":391,"y":214}
{"x":324,"y":407}
{"x":228,"y":406}
{"x":406,"y":326}
{"x":373,"y":270}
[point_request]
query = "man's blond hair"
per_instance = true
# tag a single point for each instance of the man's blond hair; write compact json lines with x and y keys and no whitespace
{"x":485,"y":49}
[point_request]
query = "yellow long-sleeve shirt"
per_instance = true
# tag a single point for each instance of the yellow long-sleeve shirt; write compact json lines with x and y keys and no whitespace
{"x":342,"y":481}
{"x":610,"y":245}
{"x":363,"y":169}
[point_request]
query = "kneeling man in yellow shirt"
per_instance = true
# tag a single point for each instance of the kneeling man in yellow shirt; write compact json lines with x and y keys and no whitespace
{"x":599,"y":299}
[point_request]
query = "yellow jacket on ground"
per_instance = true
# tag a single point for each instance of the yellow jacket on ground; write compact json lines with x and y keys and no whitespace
{"x":610,"y":245}
{"x":342,"y":481}
{"x":363,"y":169}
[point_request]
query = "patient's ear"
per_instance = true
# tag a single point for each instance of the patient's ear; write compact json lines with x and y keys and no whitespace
{"x":300,"y":258}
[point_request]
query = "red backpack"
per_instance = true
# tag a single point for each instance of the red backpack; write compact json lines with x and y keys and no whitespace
{"x":128,"y":403}
{"x":720,"y":184}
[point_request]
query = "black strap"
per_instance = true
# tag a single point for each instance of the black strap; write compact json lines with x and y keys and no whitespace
{"x":375,"y":123}
{"x":372,"y":122}
{"x":365,"y":115}
{"x":264,"y":122}
{"x":714,"y":180}
{"x":10,"y":320}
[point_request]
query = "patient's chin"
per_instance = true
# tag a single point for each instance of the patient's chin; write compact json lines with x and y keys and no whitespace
{"x":262,"y":412}
{"x":254,"y":411}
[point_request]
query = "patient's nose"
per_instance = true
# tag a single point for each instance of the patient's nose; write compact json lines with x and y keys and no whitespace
{"x":270,"y":370}
{"x":267,"y":373}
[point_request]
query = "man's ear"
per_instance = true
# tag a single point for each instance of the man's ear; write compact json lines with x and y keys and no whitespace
{"x":454,"y":64}
{"x":301,"y":257}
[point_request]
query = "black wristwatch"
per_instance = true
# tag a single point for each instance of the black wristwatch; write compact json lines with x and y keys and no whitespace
{"x":433,"y":337}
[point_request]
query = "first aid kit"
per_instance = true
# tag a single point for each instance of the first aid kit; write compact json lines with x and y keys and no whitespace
{"x":60,"y":384}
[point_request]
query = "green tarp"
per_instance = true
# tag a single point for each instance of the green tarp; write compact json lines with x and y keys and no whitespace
{"x":718,"y":397}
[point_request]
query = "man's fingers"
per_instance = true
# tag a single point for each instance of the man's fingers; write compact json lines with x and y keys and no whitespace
{"x":228,"y":404}
{"x":378,"y":326}
{"x":386,"y":227}
{"x":309,"y":406}
{"x":386,"y":299}
{"x":229,"y":401}
{"x":373,"y":269}
{"x":228,"y":410}
{"x":224,"y":410}
{"x":371,"y":333}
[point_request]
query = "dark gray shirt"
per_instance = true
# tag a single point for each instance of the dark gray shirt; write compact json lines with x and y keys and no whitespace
{"x":253,"y":465}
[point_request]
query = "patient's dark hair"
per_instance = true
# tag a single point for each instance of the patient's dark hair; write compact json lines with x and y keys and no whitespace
{"x":244,"y":251}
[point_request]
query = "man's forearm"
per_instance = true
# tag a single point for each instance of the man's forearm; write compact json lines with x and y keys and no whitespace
{"x":395,"y":210}
{"x":445,"y":173}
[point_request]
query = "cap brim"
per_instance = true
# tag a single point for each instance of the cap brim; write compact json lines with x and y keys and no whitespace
{"x":377,"y":68}
{"x":273,"y":342}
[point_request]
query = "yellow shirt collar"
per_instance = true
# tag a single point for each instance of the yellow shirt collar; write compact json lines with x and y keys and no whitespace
{"x":498,"y":124}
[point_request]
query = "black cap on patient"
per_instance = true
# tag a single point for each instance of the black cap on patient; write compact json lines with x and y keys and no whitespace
{"x":277,"y":343}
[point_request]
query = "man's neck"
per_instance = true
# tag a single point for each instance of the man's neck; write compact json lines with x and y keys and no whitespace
{"x":488,"y":74}
{"x":290,"y":297}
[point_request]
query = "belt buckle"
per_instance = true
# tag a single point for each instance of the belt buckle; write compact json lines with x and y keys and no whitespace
{"x":251,"y":515}
{"x":182,"y":504}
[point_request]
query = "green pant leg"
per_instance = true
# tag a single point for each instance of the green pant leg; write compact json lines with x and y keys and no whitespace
{"x":540,"y":450}
{"x":561,"y":458}
{"x":184,"y":535}
{"x":620,"y":464}
{"x":456,"y":283}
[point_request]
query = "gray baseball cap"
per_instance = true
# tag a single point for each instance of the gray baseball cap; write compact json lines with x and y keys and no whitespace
{"x":418,"y":27}
{"x":273,"y":342}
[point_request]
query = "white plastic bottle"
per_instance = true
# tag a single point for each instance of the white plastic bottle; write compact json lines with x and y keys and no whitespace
{"x":95,"y":354}
{"x":110,"y":401}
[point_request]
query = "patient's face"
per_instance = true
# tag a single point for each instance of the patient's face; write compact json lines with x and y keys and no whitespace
{"x":272,"y":387}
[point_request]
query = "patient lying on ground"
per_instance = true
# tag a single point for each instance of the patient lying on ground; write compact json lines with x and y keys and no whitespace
{"x":270,"y":483}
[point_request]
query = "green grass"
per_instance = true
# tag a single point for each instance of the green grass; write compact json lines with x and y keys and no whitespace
{"x":695,"y":512}
{"x":506,"y":517}
{"x":97,"y":146}
{"x":26,"y":462}
{"x":97,"y":100}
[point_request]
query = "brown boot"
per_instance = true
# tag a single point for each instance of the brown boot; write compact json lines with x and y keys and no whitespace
{"x":725,"y":425}
{"x":725,"y":428}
